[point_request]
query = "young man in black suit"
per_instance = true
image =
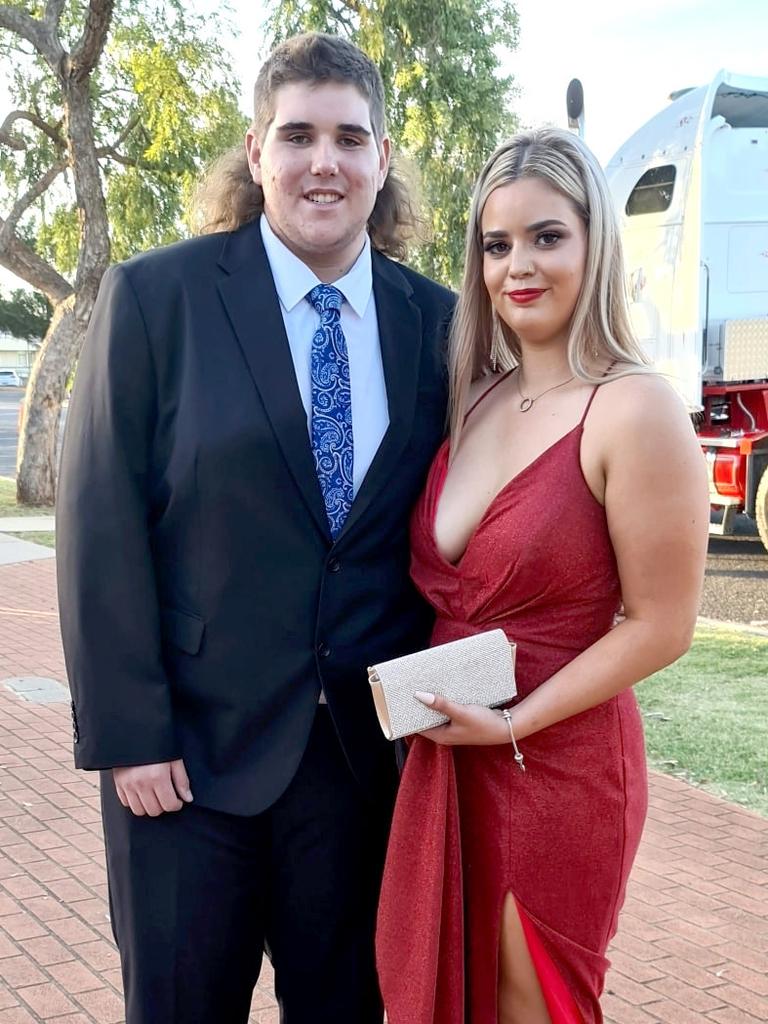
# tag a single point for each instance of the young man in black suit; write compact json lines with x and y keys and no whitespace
{"x":254,"y":414}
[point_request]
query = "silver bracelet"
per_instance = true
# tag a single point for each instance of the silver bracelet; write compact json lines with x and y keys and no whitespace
{"x":506,"y":714}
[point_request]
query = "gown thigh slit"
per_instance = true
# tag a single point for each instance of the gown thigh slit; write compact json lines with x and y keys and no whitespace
{"x":512,"y":945}
{"x":469,"y":827}
{"x":559,"y":1001}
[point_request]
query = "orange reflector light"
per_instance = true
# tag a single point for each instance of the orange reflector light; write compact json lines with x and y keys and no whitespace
{"x":726,"y":474}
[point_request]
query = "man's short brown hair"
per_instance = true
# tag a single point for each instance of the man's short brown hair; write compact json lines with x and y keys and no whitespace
{"x":316,"y":57}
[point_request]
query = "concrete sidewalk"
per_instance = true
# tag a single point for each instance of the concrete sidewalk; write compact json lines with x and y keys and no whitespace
{"x":693,"y":938}
{"x":18,"y":549}
{"x":14,"y":550}
{"x":27,"y":524}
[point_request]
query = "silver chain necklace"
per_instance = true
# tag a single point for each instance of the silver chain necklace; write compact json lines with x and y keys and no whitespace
{"x":526,"y":404}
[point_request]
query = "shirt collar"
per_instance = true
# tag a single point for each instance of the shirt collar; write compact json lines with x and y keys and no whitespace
{"x":294,"y":280}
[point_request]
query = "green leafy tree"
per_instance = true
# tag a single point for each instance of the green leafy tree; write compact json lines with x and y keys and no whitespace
{"x":24,"y":314}
{"x":447,"y":99}
{"x":117,"y":105}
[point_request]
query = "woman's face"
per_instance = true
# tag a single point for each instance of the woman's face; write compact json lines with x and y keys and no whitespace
{"x":535,"y":250}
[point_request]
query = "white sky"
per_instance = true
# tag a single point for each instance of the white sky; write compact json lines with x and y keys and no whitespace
{"x":629,"y":56}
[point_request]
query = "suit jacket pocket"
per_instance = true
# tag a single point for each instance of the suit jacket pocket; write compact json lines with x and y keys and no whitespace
{"x":182,"y":629}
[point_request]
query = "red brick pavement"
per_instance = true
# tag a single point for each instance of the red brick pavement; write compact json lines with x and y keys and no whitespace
{"x":693,"y":937}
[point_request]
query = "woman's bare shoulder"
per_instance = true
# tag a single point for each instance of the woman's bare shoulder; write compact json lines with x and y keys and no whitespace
{"x":633,"y":419}
{"x":636,"y":398}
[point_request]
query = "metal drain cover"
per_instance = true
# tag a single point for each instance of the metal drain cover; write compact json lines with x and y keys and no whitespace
{"x":37,"y":690}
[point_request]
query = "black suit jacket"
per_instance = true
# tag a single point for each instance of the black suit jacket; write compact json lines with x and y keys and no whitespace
{"x":203,"y":603}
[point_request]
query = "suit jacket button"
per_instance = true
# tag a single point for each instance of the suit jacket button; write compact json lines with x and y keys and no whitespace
{"x":333,"y":565}
{"x":323,"y":650}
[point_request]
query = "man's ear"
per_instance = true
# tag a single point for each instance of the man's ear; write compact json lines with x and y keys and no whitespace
{"x":253,"y":152}
{"x":385,"y":153}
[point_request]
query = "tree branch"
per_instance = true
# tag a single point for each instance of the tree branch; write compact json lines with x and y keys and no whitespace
{"x":86,"y":53}
{"x":16,"y":141}
{"x":21,"y":24}
{"x":39,"y":33}
{"x":22,"y":205}
{"x":132,"y":123}
{"x":346,"y":14}
{"x":52,"y":14}
{"x":113,"y":153}
{"x":24,"y":262}
{"x":126,"y":161}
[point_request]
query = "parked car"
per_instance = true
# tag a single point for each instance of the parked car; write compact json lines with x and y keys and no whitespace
{"x":9,"y":379}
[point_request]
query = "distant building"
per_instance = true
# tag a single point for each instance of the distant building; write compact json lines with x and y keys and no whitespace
{"x":17,"y":353}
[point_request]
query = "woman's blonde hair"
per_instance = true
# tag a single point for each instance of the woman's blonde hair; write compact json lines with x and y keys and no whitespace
{"x":227,"y":197}
{"x":600,"y":329}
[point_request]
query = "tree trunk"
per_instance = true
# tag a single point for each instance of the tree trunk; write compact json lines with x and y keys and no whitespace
{"x":37,"y":459}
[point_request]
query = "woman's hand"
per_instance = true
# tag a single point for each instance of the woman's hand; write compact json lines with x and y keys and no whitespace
{"x":470,"y":724}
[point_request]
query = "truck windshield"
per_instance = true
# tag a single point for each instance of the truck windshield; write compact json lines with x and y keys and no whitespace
{"x":741,"y":108}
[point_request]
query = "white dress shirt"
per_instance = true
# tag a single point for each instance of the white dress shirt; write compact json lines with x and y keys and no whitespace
{"x":293,"y":281}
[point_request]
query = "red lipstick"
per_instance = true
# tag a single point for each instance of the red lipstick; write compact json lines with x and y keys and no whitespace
{"x":525,"y":295}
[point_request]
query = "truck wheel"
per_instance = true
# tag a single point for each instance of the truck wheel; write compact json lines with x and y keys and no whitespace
{"x":761,"y":508}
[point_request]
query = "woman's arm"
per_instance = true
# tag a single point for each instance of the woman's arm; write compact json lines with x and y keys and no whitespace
{"x":657,"y":506}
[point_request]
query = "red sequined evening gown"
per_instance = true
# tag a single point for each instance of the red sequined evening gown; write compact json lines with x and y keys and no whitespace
{"x":469,"y":827}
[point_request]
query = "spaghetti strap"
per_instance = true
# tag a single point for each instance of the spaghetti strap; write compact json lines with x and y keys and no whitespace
{"x":487,"y":391}
{"x":589,"y":403}
{"x":594,"y":392}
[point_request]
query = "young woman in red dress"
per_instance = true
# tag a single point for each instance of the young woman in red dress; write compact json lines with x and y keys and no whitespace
{"x":571,"y":484}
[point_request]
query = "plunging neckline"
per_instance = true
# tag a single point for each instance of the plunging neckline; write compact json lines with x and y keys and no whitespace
{"x":494,"y":500}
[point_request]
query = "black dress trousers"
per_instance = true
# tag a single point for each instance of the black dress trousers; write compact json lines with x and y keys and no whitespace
{"x":197,"y":895}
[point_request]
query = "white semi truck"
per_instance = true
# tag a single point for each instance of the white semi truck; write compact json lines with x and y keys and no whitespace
{"x":691,"y":188}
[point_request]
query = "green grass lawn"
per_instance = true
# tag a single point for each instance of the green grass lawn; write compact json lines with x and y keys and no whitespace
{"x":706,"y":717}
{"x":8,"y":506}
{"x":48,"y":539}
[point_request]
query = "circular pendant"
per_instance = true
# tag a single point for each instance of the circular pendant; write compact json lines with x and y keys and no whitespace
{"x":526,"y":404}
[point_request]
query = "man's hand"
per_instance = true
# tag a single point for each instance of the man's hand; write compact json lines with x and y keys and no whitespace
{"x":153,"y":788}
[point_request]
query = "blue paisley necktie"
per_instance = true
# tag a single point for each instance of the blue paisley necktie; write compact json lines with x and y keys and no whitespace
{"x":332,"y":443}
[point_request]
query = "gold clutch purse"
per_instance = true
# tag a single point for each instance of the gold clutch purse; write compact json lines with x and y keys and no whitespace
{"x":477,"y":669}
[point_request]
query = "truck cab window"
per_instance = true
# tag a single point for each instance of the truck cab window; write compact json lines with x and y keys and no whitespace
{"x":653,"y":191}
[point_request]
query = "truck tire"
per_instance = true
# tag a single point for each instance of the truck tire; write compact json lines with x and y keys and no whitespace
{"x":761,"y":508}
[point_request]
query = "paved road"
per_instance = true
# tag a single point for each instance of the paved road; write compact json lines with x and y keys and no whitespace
{"x":736,"y":584}
{"x":9,"y":411}
{"x":736,"y":587}
{"x":10,"y":399}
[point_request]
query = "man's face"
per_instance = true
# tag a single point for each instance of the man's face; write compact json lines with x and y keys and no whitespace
{"x":320,"y":169}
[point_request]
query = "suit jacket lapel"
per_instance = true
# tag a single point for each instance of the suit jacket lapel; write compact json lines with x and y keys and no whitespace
{"x":400,"y":334}
{"x":251,"y":302}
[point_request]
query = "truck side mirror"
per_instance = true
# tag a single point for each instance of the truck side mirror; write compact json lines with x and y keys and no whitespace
{"x":574,"y":101}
